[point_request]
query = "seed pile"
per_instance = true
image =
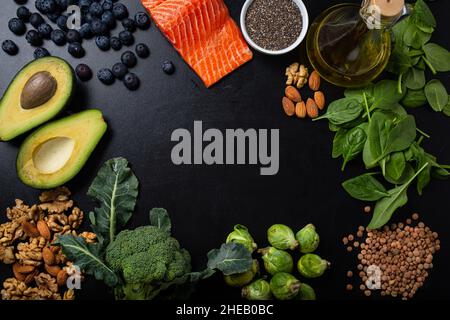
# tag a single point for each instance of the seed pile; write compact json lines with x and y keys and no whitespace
{"x":274,"y":24}
{"x":403,"y":252}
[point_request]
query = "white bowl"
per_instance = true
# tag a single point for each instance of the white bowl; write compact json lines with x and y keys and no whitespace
{"x":301,"y":37}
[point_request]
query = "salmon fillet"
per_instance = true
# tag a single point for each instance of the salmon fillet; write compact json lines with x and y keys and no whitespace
{"x":204,"y":34}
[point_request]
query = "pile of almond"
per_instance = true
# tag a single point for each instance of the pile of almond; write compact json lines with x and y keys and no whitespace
{"x":292,"y":100}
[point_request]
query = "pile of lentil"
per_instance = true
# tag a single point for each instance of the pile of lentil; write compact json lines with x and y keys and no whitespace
{"x":274,"y":24}
{"x":403,"y":252}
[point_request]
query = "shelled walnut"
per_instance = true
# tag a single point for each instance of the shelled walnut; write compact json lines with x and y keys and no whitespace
{"x":296,"y":75}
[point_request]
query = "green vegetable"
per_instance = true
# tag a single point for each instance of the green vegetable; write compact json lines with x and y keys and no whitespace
{"x":231,"y":258}
{"x":386,"y":94}
{"x":447,"y":108}
{"x":415,"y":79}
{"x":284,"y":286}
{"x":242,"y":236}
{"x":338,"y":142}
{"x":116,"y":189}
{"x":281,"y":237}
{"x":311,"y":265}
{"x":276,"y":260}
{"x":342,"y":111}
{"x":396,"y":165}
{"x":437,"y":56}
{"x":365,"y":187}
{"x":414,"y":98}
{"x":241,"y":279}
{"x":308,"y":239}
{"x":422,"y":13}
{"x":257,"y":290}
{"x":414,"y":37}
{"x":306,"y":292}
{"x":437,"y":95}
{"x":353,"y":145}
{"x":386,"y":206}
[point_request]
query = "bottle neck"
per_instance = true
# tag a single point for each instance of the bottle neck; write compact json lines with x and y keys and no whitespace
{"x":376,"y":19}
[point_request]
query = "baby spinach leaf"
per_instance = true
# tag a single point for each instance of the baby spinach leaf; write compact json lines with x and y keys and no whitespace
{"x":342,"y":111}
{"x":446,"y":109}
{"x":415,"y":79}
{"x":439,"y":57}
{"x":231,"y":258}
{"x":160,"y":218}
{"x":396,"y":165}
{"x":414,"y":98}
{"x":423,"y":13}
{"x":414,"y":37}
{"x":116,"y":189}
{"x":397,"y":198}
{"x":358,"y":94}
{"x":365,"y":188}
{"x":353,"y":145}
{"x":436,"y":94}
{"x":406,"y":175}
{"x":399,"y":61}
{"x":338,"y":142}
{"x":386,"y":93}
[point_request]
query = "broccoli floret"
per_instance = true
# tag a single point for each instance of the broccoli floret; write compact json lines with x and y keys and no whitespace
{"x":146,"y":257}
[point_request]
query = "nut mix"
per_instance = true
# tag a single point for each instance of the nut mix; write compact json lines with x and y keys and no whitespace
{"x":40,"y":270}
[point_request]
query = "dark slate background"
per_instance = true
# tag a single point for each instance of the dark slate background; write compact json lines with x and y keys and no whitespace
{"x":205,"y":202}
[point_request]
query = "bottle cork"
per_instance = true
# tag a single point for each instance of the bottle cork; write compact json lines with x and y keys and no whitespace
{"x":389,"y":8}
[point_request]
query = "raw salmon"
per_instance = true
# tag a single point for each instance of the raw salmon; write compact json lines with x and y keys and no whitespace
{"x":203,"y":32}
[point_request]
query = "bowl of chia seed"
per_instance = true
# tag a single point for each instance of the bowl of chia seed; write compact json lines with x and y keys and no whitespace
{"x":274,"y":27}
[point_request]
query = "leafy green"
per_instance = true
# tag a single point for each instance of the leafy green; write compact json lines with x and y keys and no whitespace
{"x":446,"y":109}
{"x":414,"y":98}
{"x":396,"y":165}
{"x":437,"y":95}
{"x":422,"y":13}
{"x":160,"y":219}
{"x":437,"y":56}
{"x":386,"y":94}
{"x":116,"y":189}
{"x":414,"y":37}
{"x":353,"y":144}
{"x":338,"y":142}
{"x":365,"y":187}
{"x":231,"y":258}
{"x":415,"y":79}
{"x":342,"y":111}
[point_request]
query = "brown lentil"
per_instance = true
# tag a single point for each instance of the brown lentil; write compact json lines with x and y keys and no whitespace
{"x":349,"y":273}
{"x":367,"y":209}
{"x":349,"y":287}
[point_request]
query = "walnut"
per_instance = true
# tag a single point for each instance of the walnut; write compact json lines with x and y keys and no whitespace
{"x":31,"y":253}
{"x":58,"y":194}
{"x":90,"y":237}
{"x":13,"y":289}
{"x":69,"y":295}
{"x":10,"y":232}
{"x":76,"y":218}
{"x":46,"y":281}
{"x":56,"y":206}
{"x":56,"y":222}
{"x":296,"y":75}
{"x":7,"y":255}
{"x":40,"y":294}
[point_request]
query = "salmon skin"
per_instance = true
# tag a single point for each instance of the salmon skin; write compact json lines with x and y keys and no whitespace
{"x":204,"y":34}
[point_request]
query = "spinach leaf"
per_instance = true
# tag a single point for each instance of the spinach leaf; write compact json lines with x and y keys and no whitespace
{"x":342,"y":111}
{"x":397,"y":198}
{"x":160,"y":218}
{"x":415,"y":79}
{"x":396,"y":165}
{"x":358,"y":94}
{"x":231,"y":258}
{"x":353,"y":144}
{"x":338,"y":142}
{"x":446,"y":109}
{"x":438,"y":57}
{"x":408,"y":172}
{"x":386,"y":94}
{"x":414,"y":37}
{"x":87,"y":256}
{"x":365,"y":188}
{"x":437,"y":95}
{"x":399,"y":61}
{"x":116,"y":190}
{"x":423,"y":13}
{"x":414,"y":98}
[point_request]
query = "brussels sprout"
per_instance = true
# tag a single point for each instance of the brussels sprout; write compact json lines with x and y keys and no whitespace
{"x":281,"y":237}
{"x":241,"y":279}
{"x":284,"y":286}
{"x":308,"y":239}
{"x":312,"y":266}
{"x":306,"y":292}
{"x":257,"y":290}
{"x":276,"y":260}
{"x":242,"y":236}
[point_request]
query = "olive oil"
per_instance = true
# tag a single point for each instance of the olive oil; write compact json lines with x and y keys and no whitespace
{"x":350,"y":45}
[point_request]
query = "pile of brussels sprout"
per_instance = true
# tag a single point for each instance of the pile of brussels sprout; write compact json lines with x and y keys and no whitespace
{"x":279,"y":282}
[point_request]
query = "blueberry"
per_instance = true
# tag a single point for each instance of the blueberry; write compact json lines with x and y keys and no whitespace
{"x":76,"y":50}
{"x":96,"y":9}
{"x":129,"y":59}
{"x":17,"y":26}
{"x":103,"y":43}
{"x":58,"y":37}
{"x":53,"y":17}
{"x":129,"y":24}
{"x":142,"y":50}
{"x":84,"y":5}
{"x":62,"y":4}
{"x":10,"y":47}
{"x":119,"y":70}
{"x":87,"y":18}
{"x":73,"y":36}
{"x":23,"y":14}
{"x":131,"y":81}
{"x":46,"y":6}
{"x":126,"y":37}
{"x":105,"y":76}
{"x":120,"y":11}
{"x":85,"y":31}
{"x":115,"y":43}
{"x":34,"y":38}
{"x":62,"y":22}
{"x":36,"y":19}
{"x":40,"y":53}
{"x":168,"y":67}
{"x":83,"y":72}
{"x":45,"y":30}
{"x":107,"y":5}
{"x":108,"y":19}
{"x":98,"y":28}
{"x":142,"y":20}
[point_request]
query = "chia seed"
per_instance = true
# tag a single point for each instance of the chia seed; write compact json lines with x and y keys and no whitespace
{"x":274,"y":24}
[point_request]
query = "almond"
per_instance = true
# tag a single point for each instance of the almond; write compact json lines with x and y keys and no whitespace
{"x":300,"y":110}
{"x":52,"y":270}
{"x":288,"y":106}
{"x":293,"y":94}
{"x":312,"y":109}
{"x":48,"y":256}
{"x":43,"y":229}
{"x":30,"y":229}
{"x":319,"y":98}
{"x":314,"y":81}
{"x":19,"y":276}
{"x":61,"y":278}
{"x":24,"y":269}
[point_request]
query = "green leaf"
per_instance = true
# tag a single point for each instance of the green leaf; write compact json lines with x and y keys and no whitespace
{"x":365,"y":188}
{"x":338,"y":142}
{"x":446,"y":109}
{"x":415,"y":79}
{"x":414,"y":98}
{"x":87,"y":257}
{"x":116,"y":189}
{"x":353,"y":145}
{"x":385,"y":207}
{"x":358,"y":94}
{"x":231,"y":258}
{"x":423,"y":13}
{"x":396,"y":165}
{"x":408,"y":172}
{"x":343,"y":111}
{"x":414,"y":37}
{"x":439,"y":57}
{"x":437,"y":95}
{"x":160,"y":219}
{"x":386,"y":94}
